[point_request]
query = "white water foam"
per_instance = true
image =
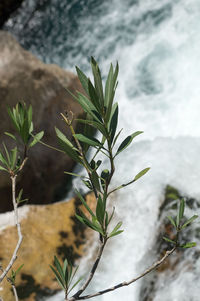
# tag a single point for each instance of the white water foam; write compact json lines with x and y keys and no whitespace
{"x":158,"y":93}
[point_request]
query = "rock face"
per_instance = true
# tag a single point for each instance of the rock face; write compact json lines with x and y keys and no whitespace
{"x":48,"y":230}
{"x":25,"y":78}
{"x":7,"y":7}
{"x":160,"y":279}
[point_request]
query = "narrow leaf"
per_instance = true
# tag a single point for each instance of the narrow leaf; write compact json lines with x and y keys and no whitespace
{"x":181,"y":209}
{"x":36,"y":138}
{"x":169,"y":240}
{"x":59,"y":279}
{"x":97,"y":125}
{"x":189,"y":245}
{"x":10,"y":135}
{"x":83,"y":79}
{"x":189,"y":221}
{"x":172,"y":221}
{"x":141,"y":173}
{"x":127,"y":141}
{"x":114,"y":121}
{"x":88,"y":140}
{"x":84,"y":203}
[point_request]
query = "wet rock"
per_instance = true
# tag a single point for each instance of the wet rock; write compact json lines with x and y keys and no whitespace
{"x":25,"y":78}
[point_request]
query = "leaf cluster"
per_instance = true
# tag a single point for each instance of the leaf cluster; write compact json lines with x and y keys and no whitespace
{"x":65,"y":274}
{"x":21,"y":117}
{"x":179,"y":225}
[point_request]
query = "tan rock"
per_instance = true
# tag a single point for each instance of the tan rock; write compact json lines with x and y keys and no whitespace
{"x":26,"y":78}
{"x":48,"y":230}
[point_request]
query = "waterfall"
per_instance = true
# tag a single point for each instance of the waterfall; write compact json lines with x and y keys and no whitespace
{"x":157,"y":45}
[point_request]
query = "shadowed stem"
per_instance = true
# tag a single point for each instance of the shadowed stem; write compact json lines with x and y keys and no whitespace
{"x":147,"y":271}
{"x":20,"y":237}
{"x":94,"y":267}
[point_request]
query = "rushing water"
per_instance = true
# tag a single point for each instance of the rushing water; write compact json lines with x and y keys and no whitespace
{"x":157,"y":44}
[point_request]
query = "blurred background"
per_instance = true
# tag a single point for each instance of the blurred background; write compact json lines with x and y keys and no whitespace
{"x":157,"y":45}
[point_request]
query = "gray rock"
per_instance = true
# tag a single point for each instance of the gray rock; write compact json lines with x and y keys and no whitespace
{"x":25,"y":78}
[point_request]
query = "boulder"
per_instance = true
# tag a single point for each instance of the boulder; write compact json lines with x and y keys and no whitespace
{"x":7,"y":7}
{"x":25,"y":78}
{"x":48,"y":230}
{"x":153,"y":283}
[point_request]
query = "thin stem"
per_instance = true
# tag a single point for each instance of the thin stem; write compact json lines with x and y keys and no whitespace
{"x":94,"y":267}
{"x":49,"y":146}
{"x":121,"y":186}
{"x":15,"y":292}
{"x":20,"y":237}
{"x":147,"y":271}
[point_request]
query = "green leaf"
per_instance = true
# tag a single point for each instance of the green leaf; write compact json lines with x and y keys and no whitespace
{"x":95,"y":180}
{"x":181,"y":209}
{"x":104,"y":176}
{"x":115,"y":230}
{"x":24,"y":131}
{"x":13,"y":118}
{"x":8,"y":161}
{"x":74,"y":174}
{"x":97,"y":125}
{"x":94,"y":97}
{"x":88,"y":140}
{"x":109,"y":86}
{"x":13,"y":157}
{"x":3,"y":159}
{"x":59,"y":279}
{"x":18,"y":270}
{"x":87,"y":184}
{"x":72,"y":277}
{"x":10,"y":135}
{"x":75,"y":284}
{"x":127,"y":141}
{"x":189,"y":221}
{"x":111,"y":216}
{"x":141,"y":173}
{"x":172,"y":221}
{"x":100,"y":210}
{"x":88,"y":107}
{"x":189,"y":245}
{"x":67,"y":146}
{"x":19,"y":195}
{"x":83,"y":79}
{"x":116,"y":137}
{"x":169,"y":240}
{"x":2,"y":168}
{"x":97,"y":81}
{"x":84,"y":203}
{"x":36,"y":138}
{"x":114,"y":121}
{"x":59,"y":268}
{"x":29,"y":114}
{"x":87,"y":222}
{"x":116,"y":233}
{"x":65,"y":270}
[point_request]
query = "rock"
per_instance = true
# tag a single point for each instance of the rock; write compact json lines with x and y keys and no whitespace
{"x":48,"y":230}
{"x":7,"y":7}
{"x":158,"y":279}
{"x":26,"y":78}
